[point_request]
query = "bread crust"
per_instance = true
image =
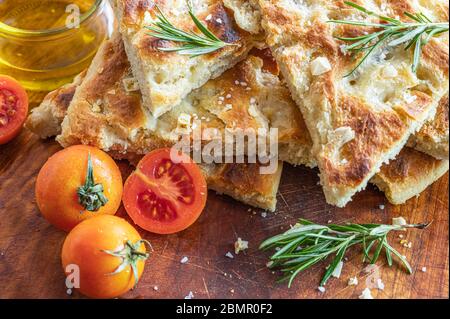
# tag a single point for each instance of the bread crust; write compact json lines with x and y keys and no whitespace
{"x":46,"y":119}
{"x":165,"y":78}
{"x":357,"y":123}
{"x":433,"y":138}
{"x":409,"y":175}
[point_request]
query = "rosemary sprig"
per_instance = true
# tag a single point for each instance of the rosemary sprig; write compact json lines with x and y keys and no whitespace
{"x":391,"y":32}
{"x":307,"y":243}
{"x":192,"y":44}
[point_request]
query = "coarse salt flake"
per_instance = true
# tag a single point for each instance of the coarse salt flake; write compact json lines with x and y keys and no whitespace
{"x":320,"y":66}
{"x":366,"y":294}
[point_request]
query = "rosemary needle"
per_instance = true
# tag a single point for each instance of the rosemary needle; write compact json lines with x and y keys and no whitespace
{"x":391,"y":32}
{"x":192,"y":44}
{"x":307,"y":243}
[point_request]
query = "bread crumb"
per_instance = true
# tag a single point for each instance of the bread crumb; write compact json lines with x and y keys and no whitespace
{"x":184,"y":260}
{"x":353,"y":281}
{"x":424,"y":269}
{"x":399,"y":221}
{"x":155,"y":288}
{"x":240,"y":245}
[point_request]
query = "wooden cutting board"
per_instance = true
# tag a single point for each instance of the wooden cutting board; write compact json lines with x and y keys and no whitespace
{"x":30,"y":248}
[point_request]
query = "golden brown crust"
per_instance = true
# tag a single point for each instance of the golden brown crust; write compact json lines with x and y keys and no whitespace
{"x":46,"y":119}
{"x":408,"y":175}
{"x":357,"y":123}
{"x":433,"y":137}
{"x":246,"y":183}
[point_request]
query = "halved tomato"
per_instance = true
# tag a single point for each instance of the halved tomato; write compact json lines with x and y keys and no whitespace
{"x":13,"y":108}
{"x":165,"y":196}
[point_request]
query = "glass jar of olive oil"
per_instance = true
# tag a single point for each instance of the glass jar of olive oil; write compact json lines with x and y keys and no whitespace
{"x":46,"y":43}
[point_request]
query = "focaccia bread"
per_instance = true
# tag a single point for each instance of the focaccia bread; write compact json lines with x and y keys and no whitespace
{"x":165,"y":78}
{"x":246,"y":14}
{"x":46,"y":119}
{"x":244,"y":97}
{"x":358,"y":122}
{"x":408,"y":175}
{"x":105,"y":113}
{"x":433,"y":138}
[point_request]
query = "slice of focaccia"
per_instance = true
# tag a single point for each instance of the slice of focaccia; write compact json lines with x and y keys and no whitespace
{"x":408,"y":175}
{"x":361,"y":121}
{"x":165,"y":78}
{"x":433,"y":138}
{"x":46,"y":119}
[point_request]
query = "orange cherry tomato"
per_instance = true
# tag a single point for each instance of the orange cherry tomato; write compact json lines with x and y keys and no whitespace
{"x":164,"y":197}
{"x":13,"y":108}
{"x":78,"y":183}
{"x":90,"y":256}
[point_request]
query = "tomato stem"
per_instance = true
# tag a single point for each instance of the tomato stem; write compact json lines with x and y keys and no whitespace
{"x":130,"y":255}
{"x":90,"y":195}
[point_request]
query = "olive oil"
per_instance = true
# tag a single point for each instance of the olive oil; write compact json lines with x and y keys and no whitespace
{"x":46,"y":43}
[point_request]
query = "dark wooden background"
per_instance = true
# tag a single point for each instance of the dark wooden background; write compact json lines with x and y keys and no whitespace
{"x":30,"y":265}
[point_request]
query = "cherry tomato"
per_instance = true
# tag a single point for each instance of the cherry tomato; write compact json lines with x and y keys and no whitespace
{"x":78,"y":183}
{"x":165,"y":197}
{"x":91,"y":253}
{"x":13,"y":108}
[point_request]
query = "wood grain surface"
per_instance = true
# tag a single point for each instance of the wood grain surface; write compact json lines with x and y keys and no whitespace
{"x":30,"y":265}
